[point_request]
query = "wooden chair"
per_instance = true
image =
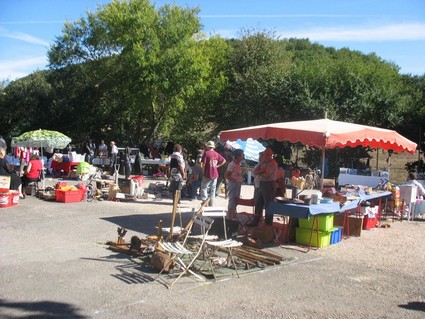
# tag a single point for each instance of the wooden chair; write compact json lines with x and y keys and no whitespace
{"x":181,"y":255}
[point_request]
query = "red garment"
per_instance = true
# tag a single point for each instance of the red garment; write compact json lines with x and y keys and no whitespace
{"x":36,"y":166}
{"x":210,"y":160}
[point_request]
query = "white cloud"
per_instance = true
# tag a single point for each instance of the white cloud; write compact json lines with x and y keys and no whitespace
{"x":22,"y":37}
{"x":14,"y":69}
{"x":393,"y":32}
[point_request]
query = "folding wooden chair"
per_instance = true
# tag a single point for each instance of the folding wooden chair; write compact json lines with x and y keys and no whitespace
{"x":181,"y":255}
{"x":245,"y":218}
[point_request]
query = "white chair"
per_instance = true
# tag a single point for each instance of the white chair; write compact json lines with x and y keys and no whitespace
{"x":212,"y":212}
{"x":408,"y":199}
{"x":181,"y":255}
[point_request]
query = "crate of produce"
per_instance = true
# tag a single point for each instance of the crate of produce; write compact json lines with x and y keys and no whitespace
{"x":68,"y":196}
{"x":336,"y":235}
{"x":369,"y":222}
{"x":302,"y":236}
{"x":326,"y":222}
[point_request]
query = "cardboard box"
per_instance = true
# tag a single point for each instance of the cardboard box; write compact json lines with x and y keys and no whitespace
{"x":355,"y":225}
{"x":71,"y":196}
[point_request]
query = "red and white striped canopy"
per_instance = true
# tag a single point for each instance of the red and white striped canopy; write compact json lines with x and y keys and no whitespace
{"x":325,"y":134}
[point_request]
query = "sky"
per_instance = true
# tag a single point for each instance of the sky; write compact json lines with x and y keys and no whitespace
{"x":393,"y":29}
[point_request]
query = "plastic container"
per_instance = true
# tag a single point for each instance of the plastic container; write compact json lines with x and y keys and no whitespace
{"x":14,"y":198}
{"x":336,"y":235}
{"x":369,"y":222}
{"x":70,"y":196}
{"x":4,"y":199}
{"x":302,"y":236}
{"x":326,"y":222}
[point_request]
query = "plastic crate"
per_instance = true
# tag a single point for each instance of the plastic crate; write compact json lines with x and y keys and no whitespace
{"x":369,"y":222}
{"x":326,"y":222}
{"x":336,"y":235}
{"x":302,"y":236}
{"x":70,"y":196}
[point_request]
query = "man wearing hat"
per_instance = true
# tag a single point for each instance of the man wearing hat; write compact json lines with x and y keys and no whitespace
{"x":211,"y":162}
{"x":265,"y":176}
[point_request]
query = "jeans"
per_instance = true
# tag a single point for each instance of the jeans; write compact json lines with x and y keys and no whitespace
{"x":208,"y":185}
{"x":193,"y":188}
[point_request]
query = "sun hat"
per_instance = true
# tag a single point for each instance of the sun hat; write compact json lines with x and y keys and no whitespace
{"x":210,"y":144}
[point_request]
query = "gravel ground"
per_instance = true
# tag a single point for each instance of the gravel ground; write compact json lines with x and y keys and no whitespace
{"x":54,"y":264}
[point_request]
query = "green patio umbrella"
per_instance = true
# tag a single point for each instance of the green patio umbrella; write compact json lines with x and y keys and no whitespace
{"x":41,"y":138}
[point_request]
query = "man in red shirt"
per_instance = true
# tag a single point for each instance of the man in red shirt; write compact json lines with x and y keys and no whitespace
{"x":211,"y":161}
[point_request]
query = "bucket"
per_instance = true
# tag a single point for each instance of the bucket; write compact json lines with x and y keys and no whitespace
{"x":4,"y":199}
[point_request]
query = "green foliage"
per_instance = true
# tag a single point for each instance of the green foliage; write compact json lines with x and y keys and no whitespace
{"x":132,"y":72}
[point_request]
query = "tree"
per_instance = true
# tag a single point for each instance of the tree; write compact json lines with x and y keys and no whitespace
{"x":257,"y":64}
{"x":156,"y":57}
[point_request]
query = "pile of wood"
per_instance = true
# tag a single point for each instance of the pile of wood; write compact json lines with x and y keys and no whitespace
{"x":254,"y":257}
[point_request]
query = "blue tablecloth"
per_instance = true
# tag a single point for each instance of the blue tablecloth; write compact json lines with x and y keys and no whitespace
{"x":305,"y":211}
{"x":301,"y":211}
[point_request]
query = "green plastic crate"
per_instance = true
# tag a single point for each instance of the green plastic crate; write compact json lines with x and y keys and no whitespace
{"x":302,"y":236}
{"x":326,"y":222}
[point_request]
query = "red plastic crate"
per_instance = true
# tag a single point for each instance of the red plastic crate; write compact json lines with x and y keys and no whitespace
{"x":71,"y":196}
{"x":369,"y":222}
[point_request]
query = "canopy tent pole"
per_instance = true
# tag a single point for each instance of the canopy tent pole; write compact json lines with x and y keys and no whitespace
{"x":323,"y":169}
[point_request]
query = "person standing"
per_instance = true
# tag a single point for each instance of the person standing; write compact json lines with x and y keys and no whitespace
{"x":102,"y":150}
{"x":266,"y":172}
{"x":114,"y":154}
{"x":177,"y":171}
{"x":3,"y":143}
{"x":234,"y":179}
{"x":211,"y":162}
{"x":195,"y":180}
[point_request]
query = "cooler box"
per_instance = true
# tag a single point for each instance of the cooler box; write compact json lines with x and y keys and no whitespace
{"x":69,"y":196}
{"x":4,"y":199}
{"x":302,"y":236}
{"x":369,"y":222}
{"x":138,"y":178}
{"x":14,"y":198}
{"x":326,"y":222}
